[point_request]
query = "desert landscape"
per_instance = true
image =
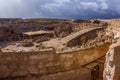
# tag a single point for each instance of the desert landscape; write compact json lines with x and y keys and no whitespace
{"x":59,"y":49}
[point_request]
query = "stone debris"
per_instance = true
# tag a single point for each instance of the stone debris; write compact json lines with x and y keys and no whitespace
{"x":60,"y":44}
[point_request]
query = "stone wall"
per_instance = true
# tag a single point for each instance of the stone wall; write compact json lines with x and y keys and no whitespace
{"x":39,"y":37}
{"x":82,"y":39}
{"x":112,"y":64}
{"x":48,"y":65}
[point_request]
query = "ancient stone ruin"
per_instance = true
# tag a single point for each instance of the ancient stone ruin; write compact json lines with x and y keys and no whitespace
{"x":59,"y":49}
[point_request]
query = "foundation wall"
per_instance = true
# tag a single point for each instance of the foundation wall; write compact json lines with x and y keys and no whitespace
{"x":112,"y":63}
{"x":49,"y":65}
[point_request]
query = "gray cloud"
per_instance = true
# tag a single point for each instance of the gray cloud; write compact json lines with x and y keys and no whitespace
{"x":60,"y":8}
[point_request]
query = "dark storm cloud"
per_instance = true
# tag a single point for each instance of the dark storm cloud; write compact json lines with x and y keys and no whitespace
{"x":60,"y":8}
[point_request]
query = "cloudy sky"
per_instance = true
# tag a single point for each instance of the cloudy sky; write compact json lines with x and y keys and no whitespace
{"x":60,"y":8}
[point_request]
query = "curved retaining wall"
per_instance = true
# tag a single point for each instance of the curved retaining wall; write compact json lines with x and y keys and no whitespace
{"x":49,"y":65}
{"x":83,"y":36}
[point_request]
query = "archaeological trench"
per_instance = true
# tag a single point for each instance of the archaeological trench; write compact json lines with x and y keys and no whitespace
{"x":59,"y":49}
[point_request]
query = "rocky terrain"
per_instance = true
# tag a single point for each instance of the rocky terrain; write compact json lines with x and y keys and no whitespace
{"x":69,"y":46}
{"x":14,"y":29}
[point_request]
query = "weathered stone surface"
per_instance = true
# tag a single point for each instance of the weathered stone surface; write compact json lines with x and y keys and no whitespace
{"x":44,"y":63}
{"x":76,"y":74}
{"x":112,"y":64}
{"x":48,"y":65}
